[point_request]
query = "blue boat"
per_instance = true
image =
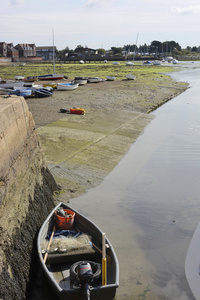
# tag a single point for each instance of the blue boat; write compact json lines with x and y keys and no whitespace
{"x":24,"y":92}
{"x":69,"y":86}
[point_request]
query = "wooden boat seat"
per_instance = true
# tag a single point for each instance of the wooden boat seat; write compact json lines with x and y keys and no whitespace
{"x":73,"y":255}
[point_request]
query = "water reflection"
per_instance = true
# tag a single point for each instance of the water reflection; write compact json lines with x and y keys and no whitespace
{"x":149,"y":205}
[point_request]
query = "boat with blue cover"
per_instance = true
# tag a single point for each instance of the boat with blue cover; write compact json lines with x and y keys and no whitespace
{"x":69,"y":86}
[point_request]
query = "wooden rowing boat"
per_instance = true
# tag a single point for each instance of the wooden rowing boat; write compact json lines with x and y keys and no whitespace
{"x":78,"y":270}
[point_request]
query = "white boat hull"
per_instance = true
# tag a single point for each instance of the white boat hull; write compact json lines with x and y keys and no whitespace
{"x":156,"y":63}
{"x":95,"y":79}
{"x":66,"y":86}
{"x":4,"y":91}
{"x":110,"y":78}
{"x":130,"y":77}
{"x":19,"y":77}
{"x":81,"y":81}
{"x":129,"y":63}
{"x":192,"y":264}
{"x":11,"y":84}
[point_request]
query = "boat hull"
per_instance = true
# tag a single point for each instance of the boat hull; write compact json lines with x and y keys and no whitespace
{"x":42,"y":92}
{"x":66,"y":86}
{"x":57,"y":264}
{"x":192,"y":264}
{"x":110,"y":78}
{"x":81,"y":81}
{"x":11,"y":84}
{"x":51,"y":77}
{"x":30,"y":79}
{"x":130,"y":77}
{"x":129,"y":63}
{"x":27,"y":92}
{"x":95,"y":79}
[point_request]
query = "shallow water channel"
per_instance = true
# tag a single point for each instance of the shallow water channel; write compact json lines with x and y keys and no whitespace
{"x":149,"y":206}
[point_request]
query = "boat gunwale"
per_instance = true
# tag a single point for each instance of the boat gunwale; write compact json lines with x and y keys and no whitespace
{"x":45,"y":227}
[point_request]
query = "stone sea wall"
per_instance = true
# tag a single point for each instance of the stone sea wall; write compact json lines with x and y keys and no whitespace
{"x":26,"y":196}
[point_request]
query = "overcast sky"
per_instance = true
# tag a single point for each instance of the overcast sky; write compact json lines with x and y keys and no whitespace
{"x":99,"y":23}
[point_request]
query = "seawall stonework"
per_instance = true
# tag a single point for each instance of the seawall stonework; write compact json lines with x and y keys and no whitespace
{"x":26,"y":195}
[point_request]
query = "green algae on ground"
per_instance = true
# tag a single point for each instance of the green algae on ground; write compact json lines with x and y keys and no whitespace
{"x":88,"y":69}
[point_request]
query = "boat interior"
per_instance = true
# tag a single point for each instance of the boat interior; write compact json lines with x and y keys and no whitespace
{"x":59,"y":263}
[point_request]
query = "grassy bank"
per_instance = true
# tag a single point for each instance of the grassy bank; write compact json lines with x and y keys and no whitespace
{"x":89,"y":69}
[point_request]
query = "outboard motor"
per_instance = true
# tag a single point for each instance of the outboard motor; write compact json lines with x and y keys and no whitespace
{"x":85,"y":276}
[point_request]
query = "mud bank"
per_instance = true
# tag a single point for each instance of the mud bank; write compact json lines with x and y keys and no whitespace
{"x":26,"y":188}
{"x":82,"y":149}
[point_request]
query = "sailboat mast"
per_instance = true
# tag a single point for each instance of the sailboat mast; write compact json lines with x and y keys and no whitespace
{"x":134,"y":51}
{"x":53,"y":53}
{"x":135,"y":45}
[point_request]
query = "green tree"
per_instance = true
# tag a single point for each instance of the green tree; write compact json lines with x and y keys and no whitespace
{"x":79,"y":48}
{"x":156,"y":46}
{"x":194,"y":49}
{"x":101,"y":51}
{"x":117,"y":50}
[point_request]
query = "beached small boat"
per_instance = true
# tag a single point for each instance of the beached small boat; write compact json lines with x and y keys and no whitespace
{"x":156,"y":62}
{"x":4,"y":91}
{"x":19,"y":77}
{"x":110,"y":78}
{"x":95,"y":79}
{"x":69,"y":86}
{"x":147,"y":62}
{"x":31,"y":79}
{"x":51,"y":77}
{"x":80,"y":78}
{"x":80,"y":81}
{"x":41,"y":92}
{"x":52,"y":85}
{"x":9,"y":84}
{"x":130,"y":77}
{"x":129,"y":63}
{"x":23,"y":92}
{"x":72,"y":253}
{"x":174,"y":61}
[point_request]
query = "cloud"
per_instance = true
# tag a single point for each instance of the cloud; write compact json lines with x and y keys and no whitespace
{"x":94,"y":3}
{"x":192,"y":9}
{"x":16,"y":2}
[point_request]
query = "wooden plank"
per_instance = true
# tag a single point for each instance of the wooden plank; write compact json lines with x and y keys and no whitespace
{"x":72,"y":256}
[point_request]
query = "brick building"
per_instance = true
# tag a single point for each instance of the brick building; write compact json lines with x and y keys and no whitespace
{"x":26,"y":50}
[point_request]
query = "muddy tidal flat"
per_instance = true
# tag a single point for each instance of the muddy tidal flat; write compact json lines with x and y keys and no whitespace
{"x":81,"y":150}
